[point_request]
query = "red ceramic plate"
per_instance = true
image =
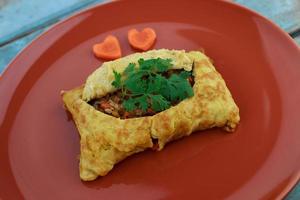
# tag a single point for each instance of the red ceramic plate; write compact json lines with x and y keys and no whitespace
{"x":260,"y":63}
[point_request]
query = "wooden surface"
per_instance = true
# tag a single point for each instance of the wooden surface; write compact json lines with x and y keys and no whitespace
{"x":23,"y":20}
{"x":285,"y":13}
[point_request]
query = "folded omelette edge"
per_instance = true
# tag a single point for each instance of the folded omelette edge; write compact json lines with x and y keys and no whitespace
{"x":106,"y":140}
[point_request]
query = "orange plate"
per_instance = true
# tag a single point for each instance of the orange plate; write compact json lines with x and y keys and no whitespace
{"x":39,"y":146}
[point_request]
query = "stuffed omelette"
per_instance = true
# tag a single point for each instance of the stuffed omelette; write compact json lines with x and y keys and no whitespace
{"x":107,"y":137}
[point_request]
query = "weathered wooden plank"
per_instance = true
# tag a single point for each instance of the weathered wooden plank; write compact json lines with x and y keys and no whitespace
{"x":21,"y":17}
{"x":285,"y":13}
{"x":31,"y":30}
{"x":9,"y":51}
{"x":294,"y":194}
{"x":297,"y":39}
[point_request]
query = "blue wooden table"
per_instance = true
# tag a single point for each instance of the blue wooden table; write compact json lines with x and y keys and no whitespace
{"x":23,"y":20}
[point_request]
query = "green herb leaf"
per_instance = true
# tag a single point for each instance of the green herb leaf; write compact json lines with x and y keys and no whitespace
{"x":155,"y":83}
{"x":136,"y":103}
{"x":117,"y":82}
{"x":136,"y":84}
{"x":146,"y":87}
{"x":142,"y":102}
{"x":155,"y":65}
{"x":159,"y":103}
{"x":180,"y":88}
{"x":129,"y":69}
{"x":129,"y":104}
{"x":185,"y":74}
{"x":162,"y":65}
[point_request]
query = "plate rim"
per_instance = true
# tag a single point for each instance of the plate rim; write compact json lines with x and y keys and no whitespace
{"x":295,"y":180}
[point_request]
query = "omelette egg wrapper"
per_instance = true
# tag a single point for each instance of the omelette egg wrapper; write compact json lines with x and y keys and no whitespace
{"x":106,"y":140}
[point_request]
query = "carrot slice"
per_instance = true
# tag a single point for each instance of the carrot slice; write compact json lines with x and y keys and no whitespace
{"x":109,"y":49}
{"x":143,"y":40}
{"x":126,"y":114}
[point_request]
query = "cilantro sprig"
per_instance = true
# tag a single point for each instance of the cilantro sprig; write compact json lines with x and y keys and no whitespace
{"x":146,"y":87}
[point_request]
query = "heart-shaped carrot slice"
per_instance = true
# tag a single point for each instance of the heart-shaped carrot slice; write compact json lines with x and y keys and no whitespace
{"x":143,"y":40}
{"x":109,"y":49}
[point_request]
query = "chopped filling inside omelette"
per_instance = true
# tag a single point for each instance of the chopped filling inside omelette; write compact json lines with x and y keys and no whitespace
{"x":146,"y":90}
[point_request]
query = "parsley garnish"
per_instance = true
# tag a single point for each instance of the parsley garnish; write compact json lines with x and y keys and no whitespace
{"x":117,"y":82}
{"x":145,"y":86}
